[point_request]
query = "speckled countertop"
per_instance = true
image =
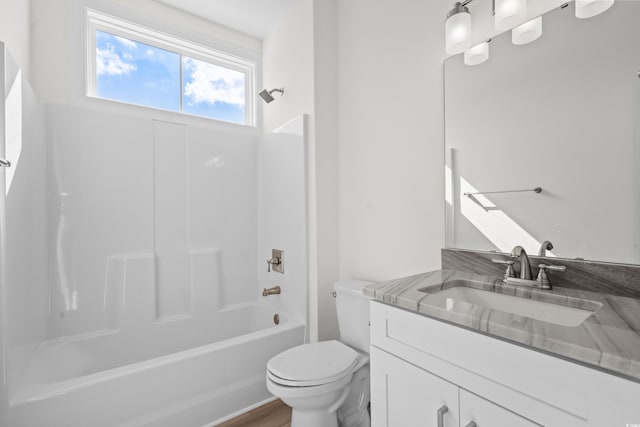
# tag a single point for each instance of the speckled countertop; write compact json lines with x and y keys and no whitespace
{"x":609,"y":339}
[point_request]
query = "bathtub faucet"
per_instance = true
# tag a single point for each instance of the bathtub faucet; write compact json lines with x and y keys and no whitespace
{"x":271,"y":291}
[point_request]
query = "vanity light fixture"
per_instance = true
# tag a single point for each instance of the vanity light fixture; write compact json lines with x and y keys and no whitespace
{"x":477,"y":54}
{"x":458,"y":28}
{"x":527,"y":32}
{"x":509,"y":13}
{"x":589,"y":8}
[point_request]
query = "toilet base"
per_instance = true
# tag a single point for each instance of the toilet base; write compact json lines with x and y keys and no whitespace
{"x":354,"y":412}
{"x":313,"y":406}
{"x":313,"y":418}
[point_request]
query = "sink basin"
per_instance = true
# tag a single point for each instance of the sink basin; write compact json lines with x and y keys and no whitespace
{"x":461,"y":299}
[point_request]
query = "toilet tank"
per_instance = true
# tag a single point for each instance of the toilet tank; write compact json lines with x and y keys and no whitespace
{"x":352,"y":307}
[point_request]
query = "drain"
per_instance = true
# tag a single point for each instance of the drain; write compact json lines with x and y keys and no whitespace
{"x":276,"y":319}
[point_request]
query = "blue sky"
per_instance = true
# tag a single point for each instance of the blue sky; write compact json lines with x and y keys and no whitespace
{"x":140,"y":74}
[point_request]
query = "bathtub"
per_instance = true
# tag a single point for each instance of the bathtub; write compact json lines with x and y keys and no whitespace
{"x":173,"y":374}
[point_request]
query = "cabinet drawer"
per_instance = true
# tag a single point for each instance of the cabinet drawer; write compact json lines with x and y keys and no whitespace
{"x":487,"y":414}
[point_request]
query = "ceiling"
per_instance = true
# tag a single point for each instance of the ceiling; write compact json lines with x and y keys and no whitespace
{"x":254,"y":17}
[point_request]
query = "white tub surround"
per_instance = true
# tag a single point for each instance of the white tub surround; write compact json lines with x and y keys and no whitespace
{"x":167,"y":378}
{"x":130,"y":286}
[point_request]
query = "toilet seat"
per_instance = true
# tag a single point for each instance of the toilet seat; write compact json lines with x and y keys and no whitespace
{"x":285,"y":391}
{"x":313,"y":364}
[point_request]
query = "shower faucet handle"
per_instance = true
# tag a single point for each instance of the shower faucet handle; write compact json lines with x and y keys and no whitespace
{"x":276,"y":261}
{"x":272,"y":261}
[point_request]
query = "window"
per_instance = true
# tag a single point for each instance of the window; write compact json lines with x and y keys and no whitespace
{"x":136,"y":65}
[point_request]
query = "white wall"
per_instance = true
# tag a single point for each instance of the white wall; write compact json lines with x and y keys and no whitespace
{"x":326,"y":161}
{"x":288,"y":62}
{"x":15,"y":31}
{"x":300,"y":54}
{"x":390,"y":108}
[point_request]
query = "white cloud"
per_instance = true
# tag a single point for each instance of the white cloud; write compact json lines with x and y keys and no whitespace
{"x":110,"y":63}
{"x":210,"y":84}
{"x":129,"y":44}
{"x":150,"y":52}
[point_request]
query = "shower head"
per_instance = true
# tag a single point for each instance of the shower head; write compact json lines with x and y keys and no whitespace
{"x":266,"y":94}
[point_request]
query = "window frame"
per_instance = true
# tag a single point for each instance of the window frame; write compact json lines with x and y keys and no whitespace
{"x":99,"y":21}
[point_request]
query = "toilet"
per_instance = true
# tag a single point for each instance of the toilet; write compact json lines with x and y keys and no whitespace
{"x":327,"y":383}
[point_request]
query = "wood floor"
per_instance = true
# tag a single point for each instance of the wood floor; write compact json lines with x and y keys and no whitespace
{"x":273,"y":414}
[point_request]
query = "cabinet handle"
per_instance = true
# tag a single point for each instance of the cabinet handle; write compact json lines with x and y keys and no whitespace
{"x":471,"y":424}
{"x":443,"y":410}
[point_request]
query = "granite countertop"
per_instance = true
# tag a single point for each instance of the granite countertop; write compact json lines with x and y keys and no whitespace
{"x":608,"y":340}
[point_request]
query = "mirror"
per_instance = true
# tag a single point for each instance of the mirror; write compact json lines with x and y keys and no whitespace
{"x":561,"y":113}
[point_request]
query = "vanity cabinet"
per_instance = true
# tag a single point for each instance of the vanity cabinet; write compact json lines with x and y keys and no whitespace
{"x":420,"y":364}
{"x":405,"y":395}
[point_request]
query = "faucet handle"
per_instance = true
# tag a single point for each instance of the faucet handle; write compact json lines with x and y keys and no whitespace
{"x":272,"y":261}
{"x":553,"y":267}
{"x":276,"y":262}
{"x":510,"y":272}
{"x":543,"y":278}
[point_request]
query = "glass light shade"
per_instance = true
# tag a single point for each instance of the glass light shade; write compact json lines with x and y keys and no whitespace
{"x":477,"y":54}
{"x":458,"y":32}
{"x":510,"y":13}
{"x":589,"y":8}
{"x":527,"y":32}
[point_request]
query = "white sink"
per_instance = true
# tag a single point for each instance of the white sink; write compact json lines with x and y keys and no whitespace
{"x":461,"y":299}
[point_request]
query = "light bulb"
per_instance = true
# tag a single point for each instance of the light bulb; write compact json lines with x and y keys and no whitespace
{"x":589,"y":8}
{"x":509,"y":13}
{"x":527,"y":32}
{"x":477,"y":54}
{"x":458,"y":30}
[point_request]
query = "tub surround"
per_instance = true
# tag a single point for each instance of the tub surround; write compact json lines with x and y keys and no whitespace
{"x":74,"y":383}
{"x":608,"y":340}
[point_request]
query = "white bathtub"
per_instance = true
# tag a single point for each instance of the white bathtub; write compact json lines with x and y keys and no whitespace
{"x":173,"y":374}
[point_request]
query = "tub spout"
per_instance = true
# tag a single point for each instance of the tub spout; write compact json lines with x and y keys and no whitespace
{"x":271,"y":291}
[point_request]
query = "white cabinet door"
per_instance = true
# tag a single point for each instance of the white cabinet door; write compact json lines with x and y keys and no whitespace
{"x":403,"y":395}
{"x":474,"y":409}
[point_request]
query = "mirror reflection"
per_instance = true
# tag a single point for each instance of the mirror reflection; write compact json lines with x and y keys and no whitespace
{"x":561,"y":113}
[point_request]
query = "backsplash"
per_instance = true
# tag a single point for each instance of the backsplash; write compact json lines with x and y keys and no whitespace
{"x":604,"y":277}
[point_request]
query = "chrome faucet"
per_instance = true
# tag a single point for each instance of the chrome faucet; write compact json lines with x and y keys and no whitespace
{"x":544,"y":247}
{"x":525,"y":279}
{"x":525,"y":268}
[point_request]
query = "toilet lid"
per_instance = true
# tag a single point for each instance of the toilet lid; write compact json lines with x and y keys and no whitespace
{"x":312,"y":364}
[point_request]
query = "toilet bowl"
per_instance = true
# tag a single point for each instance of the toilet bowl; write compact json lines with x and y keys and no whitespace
{"x":327,"y":383}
